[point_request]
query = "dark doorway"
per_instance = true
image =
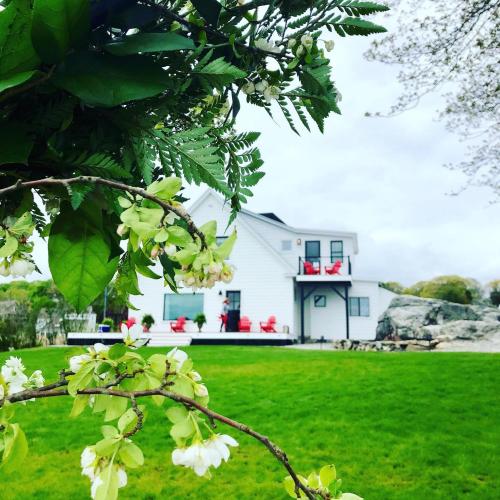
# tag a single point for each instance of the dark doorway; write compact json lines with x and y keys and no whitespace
{"x":233,"y":314}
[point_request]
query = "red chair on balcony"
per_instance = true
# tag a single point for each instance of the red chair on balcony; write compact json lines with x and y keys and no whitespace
{"x":335,"y":268}
{"x":269,"y":325}
{"x":244,"y":324}
{"x":310,"y":269}
{"x":179,"y":325}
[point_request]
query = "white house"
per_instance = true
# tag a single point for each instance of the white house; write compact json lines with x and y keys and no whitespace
{"x":272,"y":278}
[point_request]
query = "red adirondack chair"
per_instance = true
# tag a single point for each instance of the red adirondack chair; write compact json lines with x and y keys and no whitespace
{"x":310,"y":269}
{"x":335,"y":268}
{"x":268,"y":326}
{"x":178,"y":326}
{"x":244,"y":324}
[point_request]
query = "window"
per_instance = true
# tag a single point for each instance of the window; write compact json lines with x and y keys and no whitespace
{"x":220,"y":239}
{"x":313,"y":252}
{"x":320,"y":301}
{"x":359,"y":306}
{"x":234,"y":300}
{"x":336,"y":250}
{"x":286,"y":245}
{"x":182,"y":304}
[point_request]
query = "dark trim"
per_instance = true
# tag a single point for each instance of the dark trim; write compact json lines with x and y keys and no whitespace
{"x":302,"y":334}
{"x":318,"y":257}
{"x":346,"y":291}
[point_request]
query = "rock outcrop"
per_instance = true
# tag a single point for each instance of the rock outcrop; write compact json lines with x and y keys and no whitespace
{"x":415,"y":318}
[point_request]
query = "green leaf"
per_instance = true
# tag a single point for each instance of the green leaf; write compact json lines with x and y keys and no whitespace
{"x":183,"y":429}
{"x":116,"y":408}
{"x":79,"y":255}
{"x":15,"y":143}
{"x":105,"y":80}
{"x":109,"y":431}
{"x":176,"y":414}
{"x":117,"y":350}
{"x":183,"y":386}
{"x":78,"y":193}
{"x":15,"y":448}
{"x":9,"y":247}
{"x":179,"y":236}
{"x":356,"y":26}
{"x":16,"y":50}
{"x":59,"y":25}
{"x":131,"y":455}
{"x":18,"y":79}
{"x":209,"y":10}
{"x":149,"y":42}
{"x":108,"y":489}
{"x":225,"y":249}
{"x":327,"y":474}
{"x":127,"y":421}
{"x":107,"y":446}
{"x":81,"y":378}
{"x":209,"y":229}
{"x":79,"y":404}
{"x":165,"y":189}
{"x":220,"y":73}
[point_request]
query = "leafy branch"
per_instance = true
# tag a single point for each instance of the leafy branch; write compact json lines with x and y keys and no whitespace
{"x":88,"y":179}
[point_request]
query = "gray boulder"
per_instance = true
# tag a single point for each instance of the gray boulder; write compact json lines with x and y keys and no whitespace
{"x":409,"y":317}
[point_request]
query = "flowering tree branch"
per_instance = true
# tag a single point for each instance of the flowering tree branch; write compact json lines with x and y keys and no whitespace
{"x":90,"y":179}
{"x":52,"y":390}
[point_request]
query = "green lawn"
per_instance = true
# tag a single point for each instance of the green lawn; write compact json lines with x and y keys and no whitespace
{"x":397,"y":425}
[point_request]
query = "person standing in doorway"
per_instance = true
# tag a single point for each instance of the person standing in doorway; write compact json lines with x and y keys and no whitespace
{"x":223,"y":314}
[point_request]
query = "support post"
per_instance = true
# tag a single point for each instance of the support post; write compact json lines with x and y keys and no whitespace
{"x":346,"y":295}
{"x":302,"y":333}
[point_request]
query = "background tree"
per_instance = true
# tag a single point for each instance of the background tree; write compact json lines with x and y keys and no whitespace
{"x":494,"y":288}
{"x":393,"y":286}
{"x":452,"y":48}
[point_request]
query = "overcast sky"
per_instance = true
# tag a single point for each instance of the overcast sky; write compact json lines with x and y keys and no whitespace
{"x":380,"y":177}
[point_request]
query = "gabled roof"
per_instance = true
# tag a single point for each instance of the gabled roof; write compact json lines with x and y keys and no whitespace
{"x":282,"y":225}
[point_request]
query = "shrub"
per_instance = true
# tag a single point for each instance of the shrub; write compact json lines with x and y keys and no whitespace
{"x":109,"y":322}
{"x":200,"y":319}
{"x":148,"y":321}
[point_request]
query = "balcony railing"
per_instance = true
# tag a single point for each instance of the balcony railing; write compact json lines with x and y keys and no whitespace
{"x":325,"y":266}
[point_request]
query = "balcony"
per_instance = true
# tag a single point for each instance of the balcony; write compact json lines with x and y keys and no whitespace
{"x":317,"y":269}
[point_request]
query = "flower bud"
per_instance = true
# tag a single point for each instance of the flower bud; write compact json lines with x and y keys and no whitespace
{"x":122,"y":230}
{"x":291,"y":43}
{"x":329,"y":44}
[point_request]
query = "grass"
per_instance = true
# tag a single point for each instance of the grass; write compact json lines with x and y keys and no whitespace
{"x":397,"y":425}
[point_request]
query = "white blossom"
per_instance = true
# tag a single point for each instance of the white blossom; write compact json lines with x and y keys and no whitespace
{"x":36,"y":379}
{"x":194,"y":375}
{"x":2,"y":392}
{"x":122,"y":230}
{"x":88,"y":462}
{"x":329,"y":44}
{"x":263,"y":44}
{"x":21,"y":267}
{"x":272,"y":92}
{"x":178,"y":356}
{"x":307,"y":41}
{"x":291,"y":43}
{"x":14,"y":376}
{"x":201,"y":390}
{"x":133,"y":335}
{"x":76,"y":362}
{"x":248,"y":88}
{"x":4,"y":270}
{"x":99,"y":349}
{"x":200,"y":456}
{"x":95,"y":484}
{"x":170,"y":250}
{"x":122,"y":477}
{"x":261,"y":86}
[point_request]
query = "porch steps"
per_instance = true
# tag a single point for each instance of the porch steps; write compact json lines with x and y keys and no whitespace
{"x":169,"y":339}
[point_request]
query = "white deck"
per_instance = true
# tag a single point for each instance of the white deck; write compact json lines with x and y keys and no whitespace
{"x":183,"y":339}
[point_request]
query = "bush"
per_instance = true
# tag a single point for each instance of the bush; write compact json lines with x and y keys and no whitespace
{"x":451,"y":288}
{"x":148,"y":321}
{"x":18,"y":331}
{"x":494,"y":287}
{"x":200,"y":319}
{"x":393,"y":286}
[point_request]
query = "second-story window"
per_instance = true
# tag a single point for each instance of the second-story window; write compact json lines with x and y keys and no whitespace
{"x":336,"y":250}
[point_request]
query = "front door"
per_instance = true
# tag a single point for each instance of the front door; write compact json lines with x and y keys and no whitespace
{"x":233,"y":315}
{"x":313,"y":251}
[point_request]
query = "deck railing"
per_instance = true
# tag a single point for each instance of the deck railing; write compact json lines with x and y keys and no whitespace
{"x":325,"y":265}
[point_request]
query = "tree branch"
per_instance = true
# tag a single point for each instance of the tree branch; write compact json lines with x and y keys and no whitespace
{"x":50,"y":181}
{"x":276,"y":451}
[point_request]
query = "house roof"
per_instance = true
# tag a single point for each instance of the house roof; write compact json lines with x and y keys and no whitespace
{"x":272,"y":216}
{"x":282,"y":225}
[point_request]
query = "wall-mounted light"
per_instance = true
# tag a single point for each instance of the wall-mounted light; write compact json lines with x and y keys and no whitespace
{"x":299,"y":241}
{"x":220,"y":293}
